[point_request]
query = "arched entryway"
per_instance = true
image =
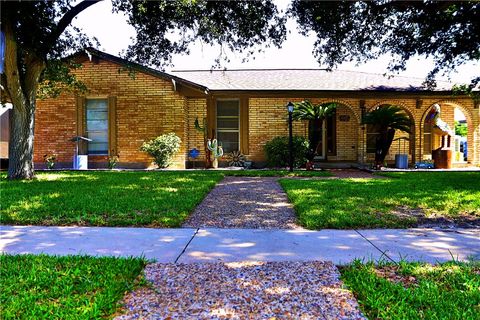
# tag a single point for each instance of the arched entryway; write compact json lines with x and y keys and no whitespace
{"x":403,"y":142}
{"x":336,"y":138}
{"x":454,"y":118}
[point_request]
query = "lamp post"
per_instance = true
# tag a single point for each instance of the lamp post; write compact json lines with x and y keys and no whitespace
{"x":290,"y":107}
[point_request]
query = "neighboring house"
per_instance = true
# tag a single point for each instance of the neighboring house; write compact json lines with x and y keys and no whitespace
{"x":243,"y":108}
{"x":4,"y":134}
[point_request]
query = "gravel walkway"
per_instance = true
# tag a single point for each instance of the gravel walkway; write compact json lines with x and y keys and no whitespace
{"x":254,"y":290}
{"x":245,"y":202}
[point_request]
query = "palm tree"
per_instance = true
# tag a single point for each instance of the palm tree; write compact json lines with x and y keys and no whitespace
{"x":385,"y":120}
{"x":316,"y":114}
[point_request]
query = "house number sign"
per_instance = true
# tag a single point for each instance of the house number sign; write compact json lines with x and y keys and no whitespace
{"x":344,"y":118}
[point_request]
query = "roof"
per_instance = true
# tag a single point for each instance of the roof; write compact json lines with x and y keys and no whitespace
{"x":303,"y":80}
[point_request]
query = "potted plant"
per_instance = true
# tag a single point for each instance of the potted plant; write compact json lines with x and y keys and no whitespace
{"x":50,"y":160}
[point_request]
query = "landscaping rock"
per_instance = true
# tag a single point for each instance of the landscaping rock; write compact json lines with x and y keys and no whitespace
{"x":245,"y":202}
{"x":243,"y":290}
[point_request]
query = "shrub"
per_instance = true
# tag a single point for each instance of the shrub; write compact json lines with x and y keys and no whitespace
{"x":162,"y":148}
{"x":277,"y":151}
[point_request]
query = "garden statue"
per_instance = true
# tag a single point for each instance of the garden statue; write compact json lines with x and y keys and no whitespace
{"x":216,"y":151}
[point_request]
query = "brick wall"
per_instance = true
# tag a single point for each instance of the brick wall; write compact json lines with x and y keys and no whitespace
{"x":146,"y":107}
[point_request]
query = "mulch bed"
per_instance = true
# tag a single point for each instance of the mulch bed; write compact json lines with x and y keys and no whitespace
{"x":248,"y":290}
{"x":245,"y":202}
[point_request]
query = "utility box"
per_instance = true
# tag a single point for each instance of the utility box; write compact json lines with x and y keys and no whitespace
{"x":80,"y":162}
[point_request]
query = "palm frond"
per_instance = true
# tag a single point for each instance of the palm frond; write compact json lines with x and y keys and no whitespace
{"x":306,"y":110}
{"x":389,"y":117}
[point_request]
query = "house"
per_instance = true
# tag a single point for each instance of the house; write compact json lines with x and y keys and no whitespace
{"x":243,"y":108}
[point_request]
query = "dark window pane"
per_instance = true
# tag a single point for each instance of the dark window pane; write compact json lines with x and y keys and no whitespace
{"x":227,"y":108}
{"x":227,"y":123}
{"x":371,"y":142}
{"x":228,"y":140}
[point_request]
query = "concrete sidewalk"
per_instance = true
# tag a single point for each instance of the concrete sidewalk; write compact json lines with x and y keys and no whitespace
{"x":197,"y":245}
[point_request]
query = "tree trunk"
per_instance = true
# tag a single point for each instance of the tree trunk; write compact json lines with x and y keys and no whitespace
{"x":383,"y":143}
{"x":21,"y":143}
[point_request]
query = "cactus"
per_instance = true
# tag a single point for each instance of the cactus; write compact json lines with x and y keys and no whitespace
{"x":217,"y":151}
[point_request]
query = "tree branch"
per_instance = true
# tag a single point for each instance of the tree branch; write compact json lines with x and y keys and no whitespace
{"x":67,"y":19}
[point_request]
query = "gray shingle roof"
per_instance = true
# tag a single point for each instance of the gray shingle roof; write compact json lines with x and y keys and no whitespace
{"x":303,"y":79}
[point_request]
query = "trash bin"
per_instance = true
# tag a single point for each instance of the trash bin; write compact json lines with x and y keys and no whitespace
{"x":401,"y":161}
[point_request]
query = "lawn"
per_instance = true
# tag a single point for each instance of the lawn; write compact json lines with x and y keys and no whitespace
{"x":71,"y":287}
{"x":415,"y":290}
{"x":104,"y":198}
{"x":115,"y":198}
{"x":368,"y":203}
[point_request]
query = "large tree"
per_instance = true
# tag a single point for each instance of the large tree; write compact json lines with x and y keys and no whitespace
{"x":38,"y":35}
{"x":447,"y":31}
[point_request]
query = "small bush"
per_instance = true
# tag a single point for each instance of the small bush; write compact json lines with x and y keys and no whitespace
{"x":277,"y":151}
{"x":162,"y":148}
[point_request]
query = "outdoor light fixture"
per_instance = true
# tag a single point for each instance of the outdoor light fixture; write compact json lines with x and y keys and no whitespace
{"x":290,"y":107}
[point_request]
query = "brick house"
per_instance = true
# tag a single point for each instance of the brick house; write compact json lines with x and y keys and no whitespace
{"x":245,"y":109}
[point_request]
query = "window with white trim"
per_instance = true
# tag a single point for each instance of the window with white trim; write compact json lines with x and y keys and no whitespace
{"x":228,"y":124}
{"x":96,"y":116}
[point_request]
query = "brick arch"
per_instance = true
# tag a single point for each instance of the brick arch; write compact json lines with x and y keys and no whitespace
{"x":470,"y":125}
{"x":466,"y":112}
{"x":407,"y":109}
{"x":411,"y":115}
{"x":344,"y":103}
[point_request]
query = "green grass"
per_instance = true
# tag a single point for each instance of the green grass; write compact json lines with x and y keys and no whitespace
{"x":366,"y":203}
{"x":105,"y":198}
{"x":71,"y":287}
{"x":446,"y":291}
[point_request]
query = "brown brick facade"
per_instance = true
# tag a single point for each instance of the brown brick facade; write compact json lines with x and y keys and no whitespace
{"x":147,"y":106}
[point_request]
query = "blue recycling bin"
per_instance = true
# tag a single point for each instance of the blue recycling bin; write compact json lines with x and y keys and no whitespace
{"x":401,"y":161}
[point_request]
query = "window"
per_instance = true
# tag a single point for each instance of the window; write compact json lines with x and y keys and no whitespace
{"x":371,"y":138}
{"x":228,"y":124}
{"x":96,"y":116}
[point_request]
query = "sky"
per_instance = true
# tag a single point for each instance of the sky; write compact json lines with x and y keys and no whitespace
{"x":114,"y":33}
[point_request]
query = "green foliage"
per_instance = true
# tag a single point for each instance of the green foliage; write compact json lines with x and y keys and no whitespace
{"x":162,"y":148}
{"x":277,"y":151}
{"x":105,"y":198}
{"x":446,"y":31}
{"x":71,"y":287}
{"x":368,"y":203}
{"x":461,"y":129}
{"x":234,"y":25}
{"x":385,"y":120}
{"x":305,"y":110}
{"x":442,"y":291}
{"x":388,"y":117}
{"x":112,"y":162}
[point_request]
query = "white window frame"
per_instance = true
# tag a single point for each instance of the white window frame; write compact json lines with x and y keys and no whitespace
{"x":225,"y":117}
